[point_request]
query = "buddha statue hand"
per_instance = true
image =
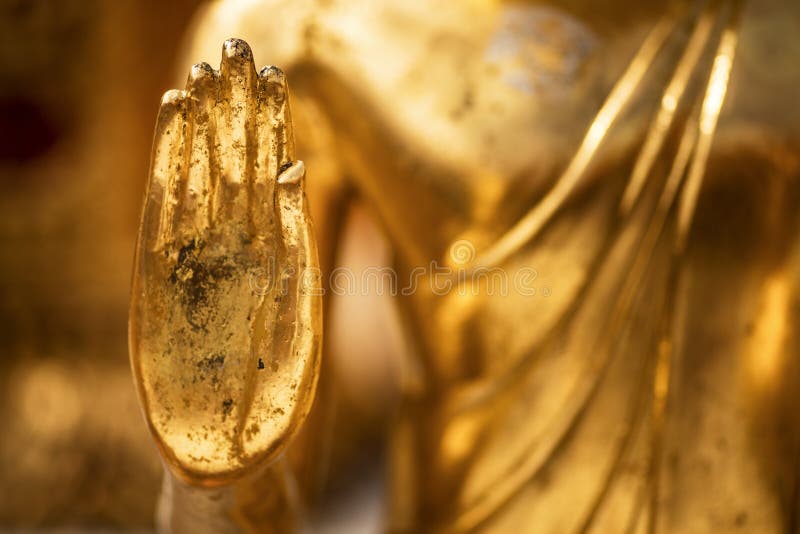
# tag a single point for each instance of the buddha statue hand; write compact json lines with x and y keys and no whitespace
{"x":225,"y":320}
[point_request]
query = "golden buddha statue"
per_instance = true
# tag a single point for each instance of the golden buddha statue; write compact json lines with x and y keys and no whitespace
{"x":591,"y":211}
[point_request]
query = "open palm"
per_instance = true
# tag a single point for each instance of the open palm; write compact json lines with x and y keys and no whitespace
{"x":225,"y":321}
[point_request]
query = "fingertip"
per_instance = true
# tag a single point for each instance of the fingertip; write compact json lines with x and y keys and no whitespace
{"x":237,"y":59}
{"x":274,"y":81}
{"x":236,"y":49}
{"x":202,"y":71}
{"x":202,"y":78}
{"x":293,"y":173}
{"x":173,"y":100}
{"x":173,"y":107}
{"x":272,"y":73}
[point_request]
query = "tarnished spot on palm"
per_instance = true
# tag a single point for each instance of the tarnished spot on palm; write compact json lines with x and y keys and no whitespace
{"x":225,"y":310}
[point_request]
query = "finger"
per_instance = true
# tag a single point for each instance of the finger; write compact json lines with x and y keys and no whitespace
{"x":166,"y":171}
{"x":294,"y":215}
{"x":236,"y":114}
{"x":276,"y":146}
{"x":294,"y":318}
{"x":301,"y":306}
{"x":202,"y":88}
{"x":275,"y":114}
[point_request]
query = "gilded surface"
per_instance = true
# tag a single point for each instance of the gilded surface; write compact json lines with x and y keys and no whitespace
{"x":641,"y":381}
